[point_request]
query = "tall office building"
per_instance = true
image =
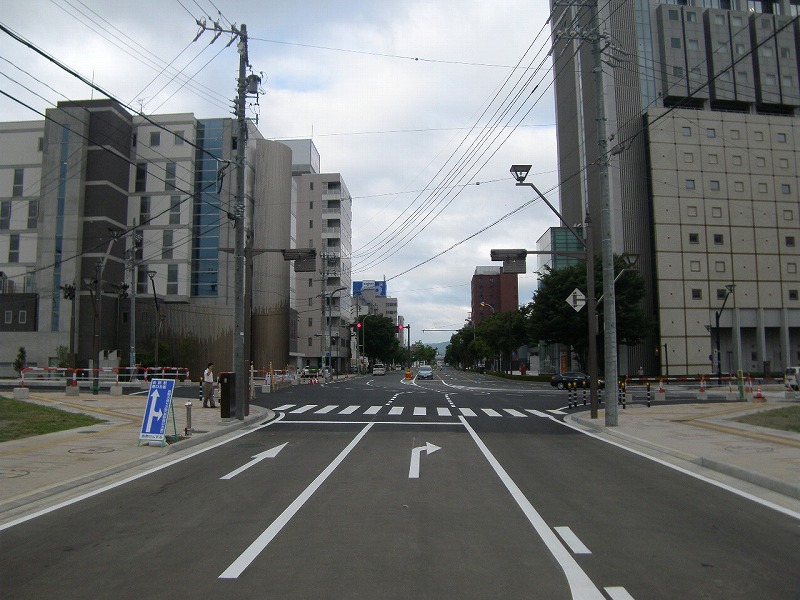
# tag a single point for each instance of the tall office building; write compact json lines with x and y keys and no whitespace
{"x":324,"y":218}
{"x":493,"y":291}
{"x":700,"y":102}
{"x":117,"y":231}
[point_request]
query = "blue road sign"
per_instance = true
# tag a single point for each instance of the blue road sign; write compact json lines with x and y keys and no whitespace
{"x":159,"y":401}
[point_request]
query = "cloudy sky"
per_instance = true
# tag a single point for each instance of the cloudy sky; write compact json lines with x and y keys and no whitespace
{"x":422,"y":106}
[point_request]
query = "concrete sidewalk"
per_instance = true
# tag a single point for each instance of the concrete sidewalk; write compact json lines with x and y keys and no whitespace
{"x":705,"y":438}
{"x":47,"y":469}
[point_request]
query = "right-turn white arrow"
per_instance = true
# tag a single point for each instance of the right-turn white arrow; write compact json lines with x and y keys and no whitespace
{"x":413,"y":470}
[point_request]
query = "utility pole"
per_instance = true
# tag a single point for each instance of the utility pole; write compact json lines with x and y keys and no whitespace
{"x":132,"y":263}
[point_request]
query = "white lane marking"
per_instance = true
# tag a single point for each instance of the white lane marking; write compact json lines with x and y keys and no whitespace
{"x":326,"y":409}
{"x":467,"y":412}
{"x":579,"y":583}
{"x":116,"y":484}
{"x":538,"y":413}
{"x":491,"y":412}
{"x":420,"y":411}
{"x":557,"y":412}
{"x":396,"y":410}
{"x":572,"y":540}
{"x":349,"y":410}
{"x":271,"y":453}
{"x":286,"y":407}
{"x":372,"y":410}
{"x":514,"y":413}
{"x":618,"y":593}
{"x":249,"y":555}
{"x":413,"y":468}
{"x":443,"y":412}
{"x":303,"y":409}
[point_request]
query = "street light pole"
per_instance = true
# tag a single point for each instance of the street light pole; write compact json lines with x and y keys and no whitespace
{"x":152,"y":275}
{"x":729,"y":290}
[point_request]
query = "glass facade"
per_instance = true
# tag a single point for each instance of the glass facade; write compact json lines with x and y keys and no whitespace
{"x":207,"y":209}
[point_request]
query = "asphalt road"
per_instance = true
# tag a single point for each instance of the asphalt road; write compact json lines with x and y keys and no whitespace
{"x":463,"y":487}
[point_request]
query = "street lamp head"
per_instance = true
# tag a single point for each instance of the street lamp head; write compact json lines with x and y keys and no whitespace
{"x":520,"y":172}
{"x":151,"y":274}
{"x":630,"y":259}
{"x":730,"y":287}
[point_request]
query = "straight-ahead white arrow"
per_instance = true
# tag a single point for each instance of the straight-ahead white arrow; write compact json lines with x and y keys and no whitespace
{"x":271,"y":453}
{"x":413,"y":470}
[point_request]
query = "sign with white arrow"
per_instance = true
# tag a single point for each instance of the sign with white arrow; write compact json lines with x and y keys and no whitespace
{"x":413,"y":470}
{"x":159,"y":402}
{"x":271,"y":453}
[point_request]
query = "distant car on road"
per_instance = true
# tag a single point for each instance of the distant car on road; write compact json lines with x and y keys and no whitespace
{"x":378,"y":369}
{"x":425,"y":372}
{"x":578,"y":378}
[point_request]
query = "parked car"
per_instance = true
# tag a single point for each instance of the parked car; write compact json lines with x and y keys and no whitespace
{"x":378,"y":369}
{"x":425,"y":372}
{"x":578,"y":378}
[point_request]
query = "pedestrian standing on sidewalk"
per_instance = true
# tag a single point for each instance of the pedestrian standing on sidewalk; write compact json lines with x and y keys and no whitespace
{"x":208,"y":386}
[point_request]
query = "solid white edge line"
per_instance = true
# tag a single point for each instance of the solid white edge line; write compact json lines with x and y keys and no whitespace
{"x":111,"y":486}
{"x":579,"y":583}
{"x":249,"y":555}
{"x":786,"y":511}
{"x":572,"y":540}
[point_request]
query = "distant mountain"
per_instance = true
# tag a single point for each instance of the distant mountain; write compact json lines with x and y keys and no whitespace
{"x":441,"y":347}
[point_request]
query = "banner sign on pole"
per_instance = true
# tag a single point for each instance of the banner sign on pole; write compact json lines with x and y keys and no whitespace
{"x":159,"y":403}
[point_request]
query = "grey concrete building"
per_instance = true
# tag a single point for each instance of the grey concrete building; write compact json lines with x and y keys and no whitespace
{"x":701,"y":101}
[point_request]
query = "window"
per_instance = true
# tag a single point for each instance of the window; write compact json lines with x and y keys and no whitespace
{"x":155,"y":138}
{"x":792,"y":294}
{"x":18,"y":178}
{"x":787,"y":80}
{"x":743,"y":76}
{"x":735,"y":135}
{"x":719,"y":266}
{"x":311,"y":185}
{"x":786,"y":188}
{"x":172,"y":279}
{"x":716,"y":212}
{"x":739,"y":49}
{"x":166,"y":243}
{"x":144,"y":210}
{"x":719,"y":239}
{"x":311,"y":223}
{"x":694,"y":266}
{"x":677,"y":71}
{"x":673,"y":15}
{"x":40,"y":145}
{"x":786,"y":53}
{"x":23,"y":317}
{"x":761,"y":161}
{"x":690,"y":184}
{"x":788,"y":215}
{"x":310,"y":322}
{"x":791,"y":267}
{"x":142,"y":279}
{"x":174,"y":210}
{"x":310,"y":342}
{"x":736,"y":21}
{"x":9,"y":317}
{"x":713,"y":159}
{"x":33,"y":214}
{"x":789,"y":241}
{"x":311,"y":205}
{"x":311,"y":302}
{"x":694,"y":45}
{"x":736,"y":160}
{"x":770,"y":79}
{"x":687,"y":131}
{"x":179,"y":137}
{"x":13,"y":248}
{"x":5,"y":214}
{"x":691,"y":211}
{"x":711,"y":132}
{"x":697,"y":294}
{"x":694,"y":238}
{"x":688,"y":157}
{"x":675,"y":42}
{"x":714,"y":184}
{"x":169,"y":176}
{"x":721,"y":293}
{"x":784,"y":163}
{"x":691,"y":17}
{"x":141,"y":177}
{"x":738,"y":186}
{"x":767,"y":51}
{"x":310,"y":282}
{"x":762,"y":188}
{"x":781,"y":138}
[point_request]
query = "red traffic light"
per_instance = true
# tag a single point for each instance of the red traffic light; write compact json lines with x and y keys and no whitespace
{"x":358,"y":325}
{"x":400,"y":328}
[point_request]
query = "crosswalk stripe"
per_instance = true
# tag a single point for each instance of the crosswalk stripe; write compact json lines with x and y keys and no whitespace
{"x":467,"y":412}
{"x":303,"y":409}
{"x":286,"y":407}
{"x":514,"y":413}
{"x":419,"y":411}
{"x":396,"y":410}
{"x":556,"y":412}
{"x":349,"y":410}
{"x":326,"y":409}
{"x":372,"y":410}
{"x":491,"y":412}
{"x":538,"y":413}
{"x":443,"y":412}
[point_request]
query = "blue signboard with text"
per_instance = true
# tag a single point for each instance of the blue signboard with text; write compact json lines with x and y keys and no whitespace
{"x":159,"y":402}
{"x":379,"y":287}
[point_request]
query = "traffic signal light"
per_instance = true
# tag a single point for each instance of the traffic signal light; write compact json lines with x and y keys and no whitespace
{"x":358,"y":325}
{"x":400,"y":328}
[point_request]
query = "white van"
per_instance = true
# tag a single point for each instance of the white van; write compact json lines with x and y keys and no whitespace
{"x":790,"y":377}
{"x":378,"y":369}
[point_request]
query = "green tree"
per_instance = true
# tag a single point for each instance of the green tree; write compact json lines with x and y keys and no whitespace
{"x":380,"y":339}
{"x":422,"y":353}
{"x":21,"y":361}
{"x":552,"y":321}
{"x":502,"y":333}
{"x":62,"y":356}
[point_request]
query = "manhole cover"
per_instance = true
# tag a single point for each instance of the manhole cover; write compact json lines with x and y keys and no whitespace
{"x":90,"y":450}
{"x":12,"y":473}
